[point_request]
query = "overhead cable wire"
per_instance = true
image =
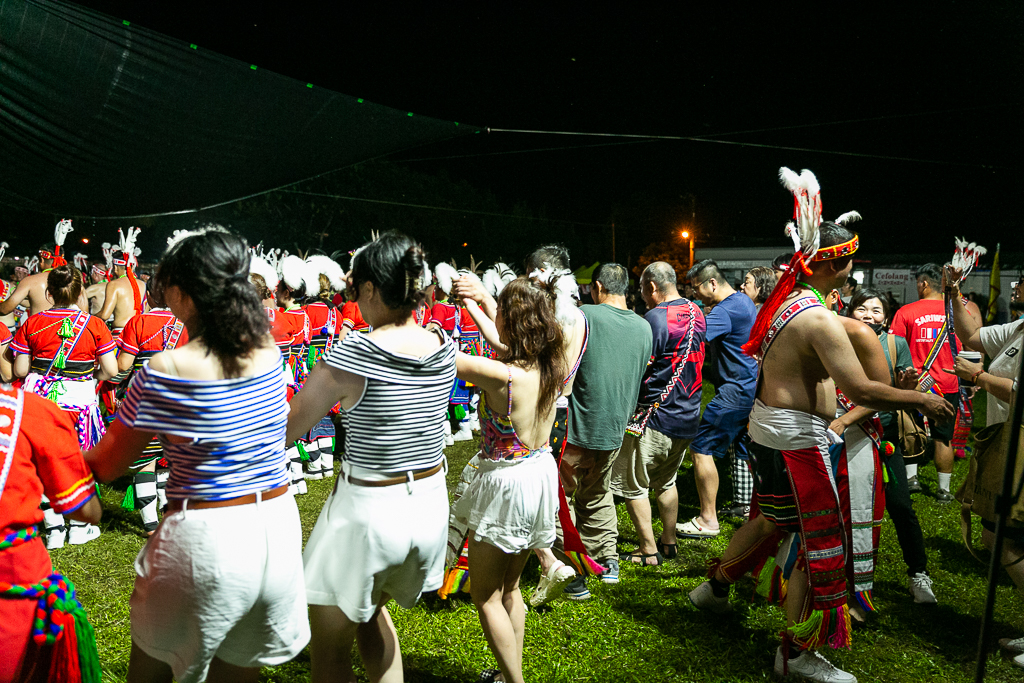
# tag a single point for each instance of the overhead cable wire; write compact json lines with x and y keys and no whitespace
{"x":442,"y":208}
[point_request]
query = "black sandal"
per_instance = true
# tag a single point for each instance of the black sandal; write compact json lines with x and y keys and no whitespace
{"x":668,"y":550}
{"x":630,"y":557}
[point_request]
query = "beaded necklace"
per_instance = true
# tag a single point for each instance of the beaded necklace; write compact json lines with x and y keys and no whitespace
{"x":816,"y":292}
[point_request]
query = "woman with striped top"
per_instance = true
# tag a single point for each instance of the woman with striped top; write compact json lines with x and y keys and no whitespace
{"x":382,"y":532}
{"x":218,"y":588}
{"x":512,"y":503}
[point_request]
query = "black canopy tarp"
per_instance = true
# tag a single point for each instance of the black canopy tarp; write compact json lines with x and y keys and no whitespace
{"x":99,"y":118}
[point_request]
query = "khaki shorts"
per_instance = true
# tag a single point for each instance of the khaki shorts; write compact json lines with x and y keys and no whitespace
{"x":646,"y":463}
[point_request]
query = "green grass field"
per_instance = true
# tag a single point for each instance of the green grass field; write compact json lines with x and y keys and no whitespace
{"x":642,"y":629}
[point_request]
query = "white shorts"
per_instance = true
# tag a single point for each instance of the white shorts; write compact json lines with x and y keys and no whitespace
{"x":513,"y":505}
{"x":222,"y":582}
{"x":370,"y":541}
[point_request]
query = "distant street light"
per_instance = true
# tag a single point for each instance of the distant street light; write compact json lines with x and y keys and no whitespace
{"x":687,"y":236}
{"x":85,"y":240}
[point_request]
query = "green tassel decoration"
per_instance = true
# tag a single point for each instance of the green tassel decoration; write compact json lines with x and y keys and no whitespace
{"x":460,"y":412}
{"x":303,"y":455}
{"x":764,"y":579}
{"x":66,"y":330}
{"x":808,"y":630}
{"x":88,"y":656}
{"x":128,"y":502}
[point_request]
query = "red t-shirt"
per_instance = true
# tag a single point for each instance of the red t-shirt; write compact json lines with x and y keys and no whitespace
{"x":919,"y":323}
{"x":319,"y":314}
{"x":467,"y":324}
{"x":150,"y":332}
{"x":38,"y":338}
{"x":5,"y":335}
{"x":445,"y":315}
{"x":352,"y":318}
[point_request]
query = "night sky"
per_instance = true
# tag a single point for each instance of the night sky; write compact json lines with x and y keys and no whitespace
{"x":936,"y":83}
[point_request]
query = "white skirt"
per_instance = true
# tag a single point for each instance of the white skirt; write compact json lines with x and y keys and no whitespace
{"x":222,"y":582}
{"x":513,"y":505}
{"x":371,"y":541}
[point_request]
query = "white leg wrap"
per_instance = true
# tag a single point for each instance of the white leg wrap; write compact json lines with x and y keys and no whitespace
{"x":326,"y":445}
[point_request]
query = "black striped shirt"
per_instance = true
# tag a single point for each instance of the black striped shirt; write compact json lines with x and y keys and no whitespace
{"x":397,"y":424}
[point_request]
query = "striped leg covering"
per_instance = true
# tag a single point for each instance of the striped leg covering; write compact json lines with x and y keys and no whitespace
{"x":326,"y":445}
{"x":162,"y":475}
{"x":56,"y":529}
{"x":146,"y":499}
{"x":298,"y":485}
{"x":314,"y":466}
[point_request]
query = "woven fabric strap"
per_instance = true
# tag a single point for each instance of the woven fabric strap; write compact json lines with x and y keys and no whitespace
{"x":19,"y":537}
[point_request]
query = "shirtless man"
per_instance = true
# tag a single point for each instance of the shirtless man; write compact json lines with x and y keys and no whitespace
{"x":97,"y":291}
{"x":32,"y":289}
{"x":796,"y":495}
{"x":119,"y":296}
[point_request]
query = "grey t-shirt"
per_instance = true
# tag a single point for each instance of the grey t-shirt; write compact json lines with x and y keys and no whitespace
{"x":608,"y":381}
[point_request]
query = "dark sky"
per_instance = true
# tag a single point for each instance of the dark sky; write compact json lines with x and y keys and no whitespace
{"x":939,"y":82}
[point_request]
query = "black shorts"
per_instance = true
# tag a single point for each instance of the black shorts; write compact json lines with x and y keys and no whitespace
{"x":940,"y":431}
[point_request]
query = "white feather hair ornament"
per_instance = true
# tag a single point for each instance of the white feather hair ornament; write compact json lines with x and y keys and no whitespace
{"x":806,"y":210}
{"x":127,"y":244}
{"x":966,"y":256}
{"x":325,"y":265}
{"x":295,"y":274}
{"x":445,"y":275}
{"x":3,"y":248}
{"x":566,"y":292}
{"x":79,"y":260}
{"x":848,"y":217}
{"x":108,"y":254}
{"x":60,"y":233}
{"x":258,"y":265}
{"x":33,"y":264}
{"x":492,"y":282}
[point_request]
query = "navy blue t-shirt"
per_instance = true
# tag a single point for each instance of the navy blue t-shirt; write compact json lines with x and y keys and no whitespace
{"x":734,"y":373}
{"x":679,"y":416}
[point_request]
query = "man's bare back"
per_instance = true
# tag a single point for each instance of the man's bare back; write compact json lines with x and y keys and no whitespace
{"x":31,"y":291}
{"x":119,"y":301}
{"x":96,"y":293}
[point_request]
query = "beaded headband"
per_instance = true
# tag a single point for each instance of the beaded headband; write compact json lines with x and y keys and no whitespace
{"x":45,"y":254}
{"x":837,"y":251}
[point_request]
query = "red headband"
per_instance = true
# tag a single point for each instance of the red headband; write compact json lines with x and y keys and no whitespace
{"x":45,"y":254}
{"x":837,"y":251}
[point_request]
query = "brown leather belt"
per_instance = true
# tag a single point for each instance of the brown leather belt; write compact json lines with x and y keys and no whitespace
{"x":390,"y":481}
{"x":269,"y":494}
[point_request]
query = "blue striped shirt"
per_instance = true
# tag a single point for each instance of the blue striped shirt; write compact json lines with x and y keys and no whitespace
{"x":235,"y":430}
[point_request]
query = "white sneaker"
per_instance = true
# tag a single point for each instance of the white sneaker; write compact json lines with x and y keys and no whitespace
{"x":81,"y":534}
{"x":1018,"y":661}
{"x":1015,"y":645}
{"x":552,"y":584}
{"x":703,"y":597}
{"x":300,"y":488}
{"x":55,"y":538}
{"x":811,"y":666}
{"x":920,"y":585}
{"x":464,"y":433}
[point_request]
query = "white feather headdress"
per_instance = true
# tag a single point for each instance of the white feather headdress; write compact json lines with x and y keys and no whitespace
{"x":108,"y":255}
{"x":258,"y":265}
{"x":295,"y":273}
{"x":33,"y":264}
{"x":80,"y":260}
{"x":325,"y":265}
{"x":127,"y":244}
{"x":60,"y":233}
{"x":803,"y":230}
{"x":446,"y":275}
{"x":966,"y":256}
{"x":566,"y":292}
{"x":3,"y":248}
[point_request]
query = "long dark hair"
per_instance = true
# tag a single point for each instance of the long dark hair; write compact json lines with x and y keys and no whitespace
{"x":395,"y":264}
{"x":213,"y":268}
{"x":64,"y":284}
{"x":864,"y":294}
{"x":531,"y":334}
